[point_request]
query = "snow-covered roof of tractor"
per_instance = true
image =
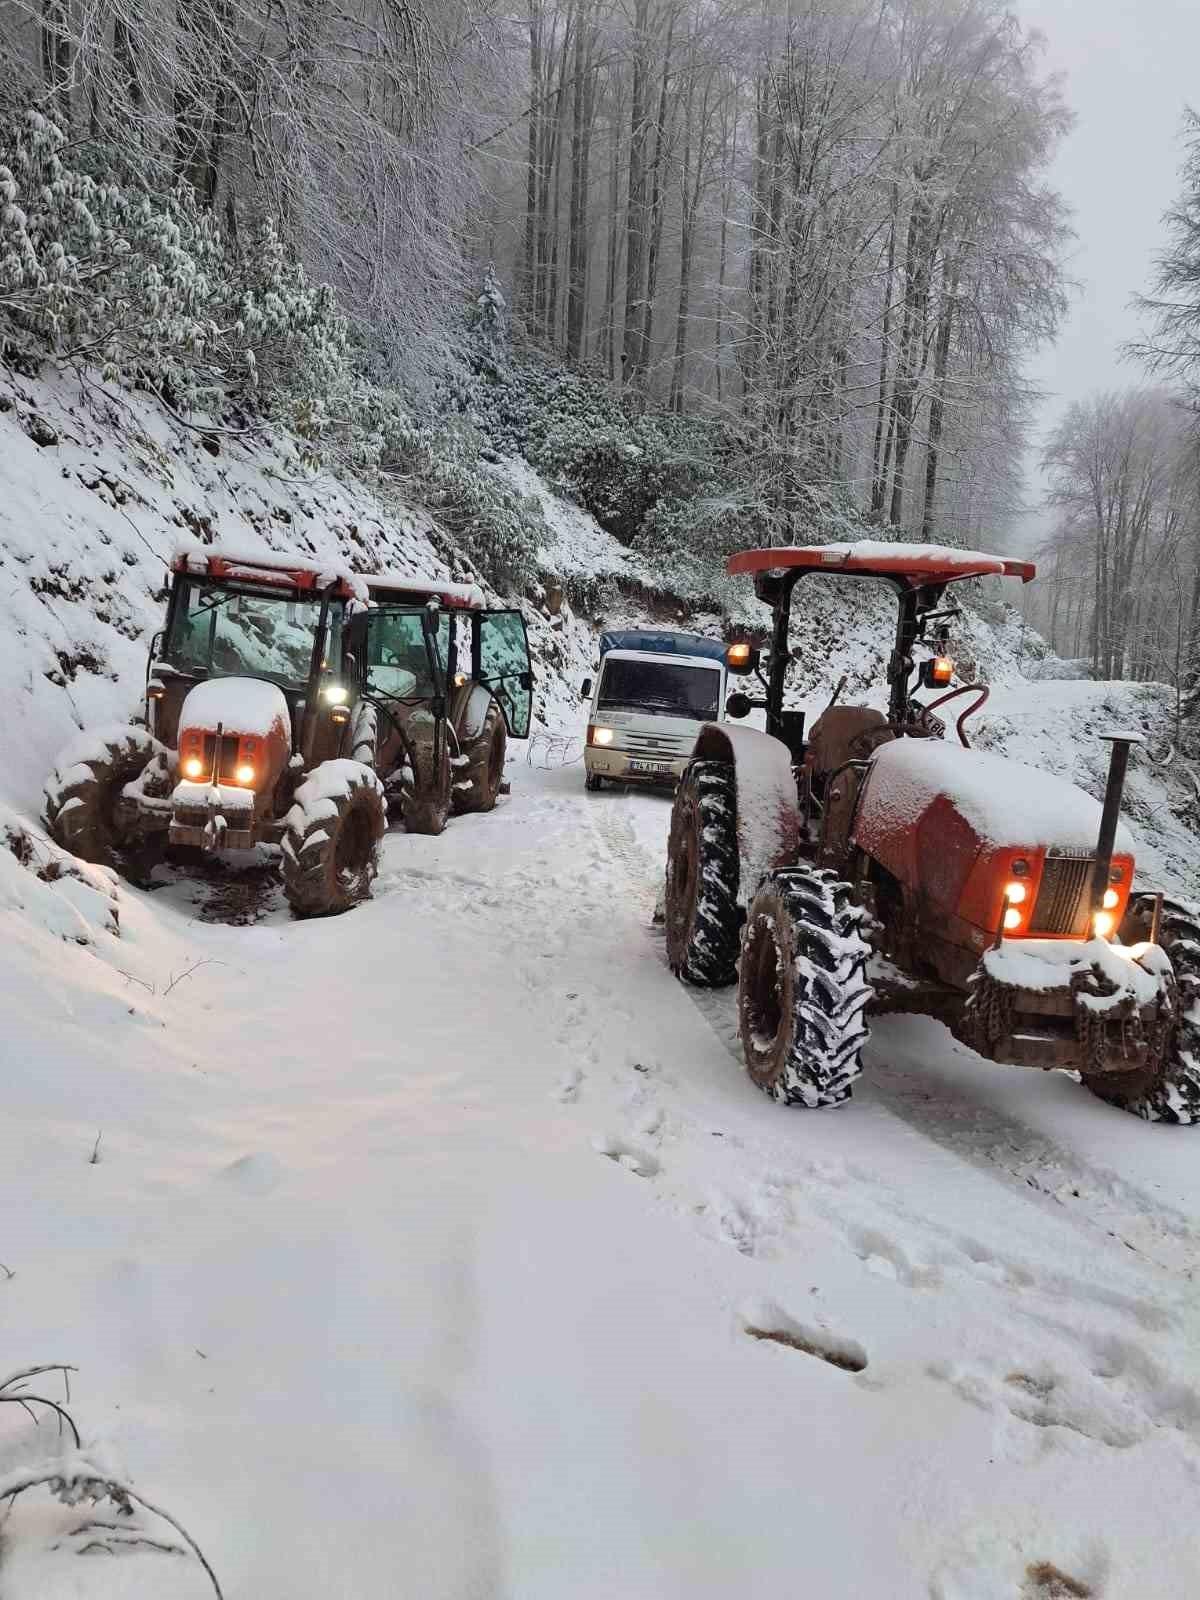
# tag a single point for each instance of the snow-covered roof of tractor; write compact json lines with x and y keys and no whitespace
{"x":279,"y":568}
{"x":913,"y":564}
{"x":1005,"y":802}
{"x":463,"y":596}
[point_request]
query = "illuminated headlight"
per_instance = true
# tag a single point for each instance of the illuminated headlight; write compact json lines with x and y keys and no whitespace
{"x":1103,"y":924}
{"x":192,"y":768}
{"x":1012,"y":918}
{"x":602,"y":736}
{"x":335,"y":694}
{"x":1015,"y":893}
{"x":244,"y":774}
{"x":1111,"y":899}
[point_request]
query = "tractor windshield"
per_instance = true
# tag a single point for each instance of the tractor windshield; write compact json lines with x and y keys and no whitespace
{"x":229,"y":632}
{"x":664,"y":687}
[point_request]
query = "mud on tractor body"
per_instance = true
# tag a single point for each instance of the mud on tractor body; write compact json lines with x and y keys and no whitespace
{"x":290,"y":707}
{"x":871,"y":863}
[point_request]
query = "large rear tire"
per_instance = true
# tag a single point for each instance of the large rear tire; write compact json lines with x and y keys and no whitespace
{"x":803,"y":989}
{"x":331,"y":839}
{"x":477,"y":784}
{"x":1169,"y":1092}
{"x":82,"y":793}
{"x":701,"y":901}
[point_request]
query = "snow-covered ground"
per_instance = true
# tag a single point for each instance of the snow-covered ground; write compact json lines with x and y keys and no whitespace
{"x":444,"y":1250}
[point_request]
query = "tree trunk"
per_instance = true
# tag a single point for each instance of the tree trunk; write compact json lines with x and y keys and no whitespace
{"x":635,"y":209}
{"x":937,"y":403}
{"x":580,"y":159}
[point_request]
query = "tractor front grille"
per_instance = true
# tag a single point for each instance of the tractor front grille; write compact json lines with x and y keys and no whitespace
{"x":229,"y":756}
{"x":1064,"y":894}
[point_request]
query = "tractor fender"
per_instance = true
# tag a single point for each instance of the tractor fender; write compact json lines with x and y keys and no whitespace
{"x":474,"y":713}
{"x":768,"y":814}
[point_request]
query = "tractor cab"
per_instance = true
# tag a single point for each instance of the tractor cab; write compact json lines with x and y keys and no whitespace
{"x":232,"y":619}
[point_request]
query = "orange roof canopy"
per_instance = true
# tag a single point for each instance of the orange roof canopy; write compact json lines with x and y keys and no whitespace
{"x":913,"y":565}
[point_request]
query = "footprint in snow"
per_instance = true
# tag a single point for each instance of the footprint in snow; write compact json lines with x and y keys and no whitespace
{"x":764,"y":1320}
{"x":569,"y":1085}
{"x":257,"y":1173}
{"x":626,"y":1155}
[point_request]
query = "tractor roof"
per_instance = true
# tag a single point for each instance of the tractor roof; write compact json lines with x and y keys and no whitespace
{"x":279,"y":570}
{"x":385,"y":586}
{"x":913,"y":565}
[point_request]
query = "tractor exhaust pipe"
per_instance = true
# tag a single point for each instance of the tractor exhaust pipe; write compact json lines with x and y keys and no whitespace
{"x":1114,"y":789}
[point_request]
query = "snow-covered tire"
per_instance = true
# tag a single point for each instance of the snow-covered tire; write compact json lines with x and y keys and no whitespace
{"x":81,"y":793}
{"x":364,"y":734}
{"x":477,"y":784}
{"x":803,"y":989}
{"x":701,"y":900}
{"x":1170,"y":1092}
{"x":331,"y":839}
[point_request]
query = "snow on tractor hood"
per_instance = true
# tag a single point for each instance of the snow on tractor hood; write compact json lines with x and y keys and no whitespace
{"x":240,"y":705}
{"x":1003,"y":801}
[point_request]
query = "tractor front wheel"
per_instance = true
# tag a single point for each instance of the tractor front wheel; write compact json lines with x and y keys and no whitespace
{"x":331,"y":839}
{"x":701,"y":898}
{"x":1170,"y":1091}
{"x":82,"y":794}
{"x":477,"y":783}
{"x":803,"y":990}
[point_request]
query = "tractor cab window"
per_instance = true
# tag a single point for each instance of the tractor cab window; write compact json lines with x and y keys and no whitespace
{"x":397,"y":660}
{"x":227,"y":632}
{"x":504,"y":667}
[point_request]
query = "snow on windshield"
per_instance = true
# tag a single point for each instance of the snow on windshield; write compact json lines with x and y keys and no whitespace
{"x":660,"y":686}
{"x":241,"y":633}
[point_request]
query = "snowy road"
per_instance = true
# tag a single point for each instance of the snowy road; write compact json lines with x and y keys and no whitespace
{"x":423,"y":1247}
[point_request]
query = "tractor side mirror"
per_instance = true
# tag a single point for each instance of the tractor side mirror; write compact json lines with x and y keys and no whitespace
{"x":585,"y":689}
{"x":738,"y":704}
{"x":741,"y":658}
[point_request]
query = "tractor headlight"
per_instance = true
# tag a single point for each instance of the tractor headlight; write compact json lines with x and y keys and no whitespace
{"x":1012,"y":918}
{"x":1015,"y":893}
{"x":335,"y":694}
{"x":1111,"y":899}
{"x":244,"y":774}
{"x":193,"y":768}
{"x":1103,"y":924}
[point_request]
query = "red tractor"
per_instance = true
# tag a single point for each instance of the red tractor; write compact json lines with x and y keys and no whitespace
{"x":989,"y":894}
{"x":294,"y":707}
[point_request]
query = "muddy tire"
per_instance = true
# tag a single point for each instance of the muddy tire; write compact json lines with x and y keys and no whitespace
{"x":593,"y":782}
{"x":426,"y":809}
{"x":477,"y":785}
{"x":81,"y":794}
{"x":701,"y":900}
{"x":331,"y":839}
{"x":1170,"y":1092}
{"x":803,"y":989}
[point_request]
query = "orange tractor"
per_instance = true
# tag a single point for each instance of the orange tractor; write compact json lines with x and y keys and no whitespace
{"x":871,"y":863}
{"x":294,"y":707}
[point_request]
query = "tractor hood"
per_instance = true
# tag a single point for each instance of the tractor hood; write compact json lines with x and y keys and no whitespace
{"x":953,"y":824}
{"x":248,"y":706}
{"x":1002,"y":802}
